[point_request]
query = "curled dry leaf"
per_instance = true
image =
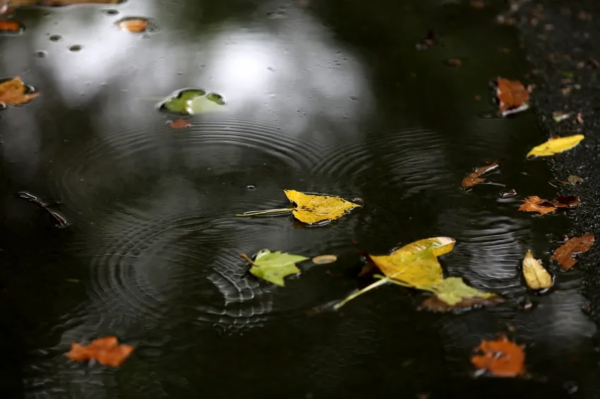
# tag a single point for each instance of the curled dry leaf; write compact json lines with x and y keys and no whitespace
{"x":511,"y":94}
{"x":312,"y":209}
{"x":15,"y":92}
{"x":556,"y":145}
{"x":502,"y":358}
{"x":565,"y":253}
{"x":105,"y":350}
{"x":574,"y":180}
{"x":274,"y":266}
{"x":474,"y":178}
{"x":133,"y":25}
{"x":536,"y":276}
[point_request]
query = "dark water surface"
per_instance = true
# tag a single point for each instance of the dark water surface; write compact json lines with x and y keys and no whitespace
{"x":321,"y":95}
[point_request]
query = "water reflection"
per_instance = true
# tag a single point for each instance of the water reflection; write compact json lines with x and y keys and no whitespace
{"x":328,"y":97}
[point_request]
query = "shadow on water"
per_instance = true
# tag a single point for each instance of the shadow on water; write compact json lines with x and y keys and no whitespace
{"x":321,"y":95}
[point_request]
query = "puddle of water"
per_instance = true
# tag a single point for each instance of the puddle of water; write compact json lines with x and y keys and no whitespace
{"x":321,"y":97}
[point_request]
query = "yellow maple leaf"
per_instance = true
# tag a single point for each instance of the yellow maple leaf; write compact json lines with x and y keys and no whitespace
{"x":312,"y":209}
{"x":536,"y":276}
{"x":555,"y":146}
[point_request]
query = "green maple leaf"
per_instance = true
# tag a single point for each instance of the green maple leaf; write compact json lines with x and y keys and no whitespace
{"x":275,"y":266}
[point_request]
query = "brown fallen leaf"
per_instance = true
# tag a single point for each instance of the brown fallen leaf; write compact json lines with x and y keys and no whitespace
{"x":105,"y":350}
{"x":133,"y":25}
{"x":566,"y":201}
{"x":502,"y":358}
{"x":474,"y":178}
{"x":537,"y":204}
{"x":8,"y":26}
{"x":180,"y":124}
{"x":435,"y":304}
{"x":565,"y":253}
{"x":511,"y":94}
{"x":14,"y":92}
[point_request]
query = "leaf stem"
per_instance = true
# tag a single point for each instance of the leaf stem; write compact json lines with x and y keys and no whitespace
{"x":398,"y":282}
{"x":248,"y":259}
{"x":359,"y":293}
{"x":257,"y":213}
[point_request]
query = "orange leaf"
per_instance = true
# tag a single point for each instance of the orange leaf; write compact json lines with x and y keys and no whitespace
{"x":511,"y":94}
{"x":133,"y":25}
{"x":502,"y":358}
{"x":9,"y":26}
{"x":180,"y":124}
{"x":564,"y":254}
{"x":474,"y":178}
{"x":537,"y":204}
{"x":13,"y":92}
{"x":105,"y":350}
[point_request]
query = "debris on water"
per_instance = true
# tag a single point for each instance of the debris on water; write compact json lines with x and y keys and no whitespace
{"x":250,"y":187}
{"x":474,"y":178}
{"x":429,"y":40}
{"x":41,"y":54}
{"x":574,"y":180}
{"x":324,"y":259}
{"x":75,"y":48}
{"x":55,"y":38}
{"x":135,"y":24}
{"x":111,"y":11}
{"x":11,"y":27}
{"x":560,"y":116}
{"x":455,"y":62}
{"x":501,"y":357}
{"x":179,"y":123}
{"x":508,"y":193}
{"x":565,"y":254}
{"x":106,"y":351}
{"x":542,"y":206}
{"x":61,"y":221}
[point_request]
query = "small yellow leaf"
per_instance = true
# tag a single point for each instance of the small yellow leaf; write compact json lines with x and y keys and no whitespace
{"x":536,"y":276}
{"x":419,"y":269}
{"x":318,"y":208}
{"x":439,"y":245}
{"x":555,"y":146}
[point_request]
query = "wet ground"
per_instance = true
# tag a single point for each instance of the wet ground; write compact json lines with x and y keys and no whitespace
{"x":322,"y":96}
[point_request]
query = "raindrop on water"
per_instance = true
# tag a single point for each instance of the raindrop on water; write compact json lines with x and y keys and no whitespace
{"x":41,"y":54}
{"x":251,"y":187}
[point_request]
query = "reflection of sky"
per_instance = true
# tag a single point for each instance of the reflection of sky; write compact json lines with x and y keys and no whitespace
{"x":288,"y":75}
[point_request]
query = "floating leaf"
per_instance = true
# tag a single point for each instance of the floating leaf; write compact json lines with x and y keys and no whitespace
{"x":105,"y":350}
{"x":511,"y":94}
{"x":274,"y":266}
{"x":415,"y":265}
{"x":134,"y":24}
{"x":178,"y":102}
{"x":435,"y":304}
{"x":536,"y":276}
{"x":439,"y":246}
{"x":419,"y":269}
{"x":453,"y":291}
{"x":502,"y":358}
{"x":537,"y":204}
{"x":474,"y":178}
{"x":324,"y":259}
{"x":312,"y":209}
{"x":8,"y":26}
{"x":210,"y":103}
{"x":15,"y":92}
{"x":566,"y":201}
{"x":565,"y":253}
{"x":555,"y":146}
